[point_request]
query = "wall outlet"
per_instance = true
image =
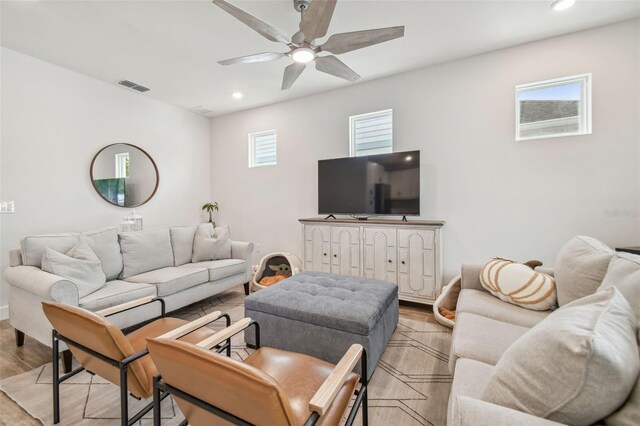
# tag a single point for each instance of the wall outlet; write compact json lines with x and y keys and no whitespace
{"x":257,"y":248}
{"x":7,"y":207}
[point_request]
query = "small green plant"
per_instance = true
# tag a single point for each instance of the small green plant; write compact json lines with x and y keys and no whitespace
{"x":209,"y":208}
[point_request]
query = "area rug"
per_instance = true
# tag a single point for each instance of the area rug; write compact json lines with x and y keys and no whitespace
{"x":410,"y":385}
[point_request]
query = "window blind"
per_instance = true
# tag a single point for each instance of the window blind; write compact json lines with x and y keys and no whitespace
{"x":264,"y":148}
{"x":372,"y":133}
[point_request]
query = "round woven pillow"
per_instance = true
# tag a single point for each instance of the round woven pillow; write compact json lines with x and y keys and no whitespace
{"x":518,"y":284}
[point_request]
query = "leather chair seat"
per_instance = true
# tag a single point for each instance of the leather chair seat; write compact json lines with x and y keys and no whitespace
{"x":300,"y":376}
{"x":138,"y":340}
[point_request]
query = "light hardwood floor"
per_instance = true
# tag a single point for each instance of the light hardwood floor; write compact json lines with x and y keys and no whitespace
{"x":16,"y":360}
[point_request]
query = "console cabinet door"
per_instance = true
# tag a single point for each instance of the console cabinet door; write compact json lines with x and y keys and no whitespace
{"x":317,"y":248}
{"x":416,"y":269}
{"x":345,"y":250}
{"x":380,"y":254}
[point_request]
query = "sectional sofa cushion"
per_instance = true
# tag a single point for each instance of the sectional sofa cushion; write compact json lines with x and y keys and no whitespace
{"x":576,"y":367}
{"x":115,"y":293}
{"x":629,"y":413}
{"x":470,"y":380}
{"x":624,"y":274}
{"x":482,"y":339}
{"x":172,"y":280}
{"x":221,"y":268}
{"x":182,"y":243}
{"x":144,"y":251}
{"x":519,"y":284}
{"x":105,"y":245}
{"x":580,"y":266}
{"x":33,"y":247}
{"x":482,"y":303}
{"x":211,"y":243}
{"x":79,"y":265}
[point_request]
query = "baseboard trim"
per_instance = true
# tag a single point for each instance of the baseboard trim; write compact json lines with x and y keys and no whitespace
{"x":4,"y":312}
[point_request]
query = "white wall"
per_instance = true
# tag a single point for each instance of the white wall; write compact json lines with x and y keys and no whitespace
{"x":500,"y":197}
{"x":55,"y":120}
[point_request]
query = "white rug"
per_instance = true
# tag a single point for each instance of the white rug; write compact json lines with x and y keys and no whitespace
{"x":410,"y":385}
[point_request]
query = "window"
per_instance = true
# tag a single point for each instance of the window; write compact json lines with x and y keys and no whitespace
{"x":553,"y":108}
{"x":122,"y":165}
{"x":262,"y":149}
{"x":371,"y":133}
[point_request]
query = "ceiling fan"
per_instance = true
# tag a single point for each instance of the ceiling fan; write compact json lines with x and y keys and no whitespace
{"x":316,"y":16}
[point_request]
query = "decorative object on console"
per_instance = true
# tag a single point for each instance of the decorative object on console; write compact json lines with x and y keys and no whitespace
{"x":137,"y":221}
{"x":127,"y":225}
{"x":209,"y":208}
{"x":211,"y":243}
{"x":124,"y":175}
{"x":268,"y":270}
{"x":519,"y":284}
{"x":313,"y":25}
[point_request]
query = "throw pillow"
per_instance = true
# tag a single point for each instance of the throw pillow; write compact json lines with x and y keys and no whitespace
{"x":104,"y":244}
{"x":580,"y":267}
{"x":576,"y":366}
{"x":624,"y":274}
{"x":182,"y":243}
{"x":79,"y":265}
{"x":211,"y":243}
{"x":519,"y":284}
{"x":629,"y":413}
{"x":144,"y":251}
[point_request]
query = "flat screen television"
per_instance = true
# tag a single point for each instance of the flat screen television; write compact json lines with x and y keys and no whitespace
{"x":384,"y":184}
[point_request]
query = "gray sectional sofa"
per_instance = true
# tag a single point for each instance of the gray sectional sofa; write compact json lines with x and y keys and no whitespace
{"x":156,"y":262}
{"x":486,"y":327}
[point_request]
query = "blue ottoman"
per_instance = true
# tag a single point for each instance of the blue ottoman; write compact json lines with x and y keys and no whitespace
{"x":322,"y":314}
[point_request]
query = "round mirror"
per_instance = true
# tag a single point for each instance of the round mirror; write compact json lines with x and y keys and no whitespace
{"x":124,"y":175}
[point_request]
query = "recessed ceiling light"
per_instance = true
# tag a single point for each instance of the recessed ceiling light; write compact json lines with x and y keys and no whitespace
{"x":303,"y":55}
{"x":237,"y":95}
{"x":562,"y":4}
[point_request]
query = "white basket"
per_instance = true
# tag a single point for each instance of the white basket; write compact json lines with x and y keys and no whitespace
{"x":291,"y":259}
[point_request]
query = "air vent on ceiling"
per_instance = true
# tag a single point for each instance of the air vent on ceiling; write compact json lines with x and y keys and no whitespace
{"x":135,"y":86}
{"x":202,"y":110}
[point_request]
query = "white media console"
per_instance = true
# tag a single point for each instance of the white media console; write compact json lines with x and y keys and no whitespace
{"x":405,"y":253}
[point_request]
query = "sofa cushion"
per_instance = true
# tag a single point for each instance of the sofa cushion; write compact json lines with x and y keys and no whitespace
{"x":519,"y":284}
{"x":470,"y":380}
{"x":33,"y":247}
{"x":144,"y":251}
{"x":576,"y":367}
{"x":629,"y":413}
{"x":482,"y":339}
{"x":182,"y":243}
{"x":580,"y":267}
{"x":105,"y":245}
{"x":172,"y":280}
{"x":624,"y":274}
{"x":211,"y":243}
{"x":115,"y":293}
{"x":482,"y":303}
{"x":221,"y":268}
{"x":79,"y":265}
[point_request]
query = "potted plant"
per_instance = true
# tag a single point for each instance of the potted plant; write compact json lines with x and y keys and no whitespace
{"x":209,"y":208}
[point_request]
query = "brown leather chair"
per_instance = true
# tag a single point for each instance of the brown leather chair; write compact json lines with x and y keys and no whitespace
{"x":271,"y":387}
{"x":103,"y":349}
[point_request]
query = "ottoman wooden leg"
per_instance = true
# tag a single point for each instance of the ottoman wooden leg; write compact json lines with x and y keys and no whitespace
{"x":247,"y":288}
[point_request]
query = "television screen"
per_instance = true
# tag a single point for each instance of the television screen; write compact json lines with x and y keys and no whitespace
{"x":385,"y":184}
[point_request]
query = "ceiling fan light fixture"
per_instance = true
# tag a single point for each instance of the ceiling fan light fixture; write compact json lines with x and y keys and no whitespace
{"x":303,"y":55}
{"x":559,"y":5}
{"x":237,"y":95}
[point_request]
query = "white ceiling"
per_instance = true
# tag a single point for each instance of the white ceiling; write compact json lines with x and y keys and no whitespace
{"x":173,"y":46}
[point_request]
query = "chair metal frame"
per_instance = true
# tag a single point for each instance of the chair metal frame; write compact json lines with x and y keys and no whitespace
{"x":122,"y":365}
{"x":162,"y":389}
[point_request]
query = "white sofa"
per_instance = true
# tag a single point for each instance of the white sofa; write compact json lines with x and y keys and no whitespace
{"x":485,"y":327}
{"x":160,"y":260}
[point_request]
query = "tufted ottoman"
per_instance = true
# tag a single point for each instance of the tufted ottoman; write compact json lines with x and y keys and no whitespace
{"x":322,"y":314}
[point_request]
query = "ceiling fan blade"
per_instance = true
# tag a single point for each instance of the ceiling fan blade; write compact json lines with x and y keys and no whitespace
{"x":347,"y":42}
{"x":258,"y":57}
{"x":315,"y":21}
{"x":266,"y":30}
{"x":291,"y":74}
{"x":334,"y":66}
